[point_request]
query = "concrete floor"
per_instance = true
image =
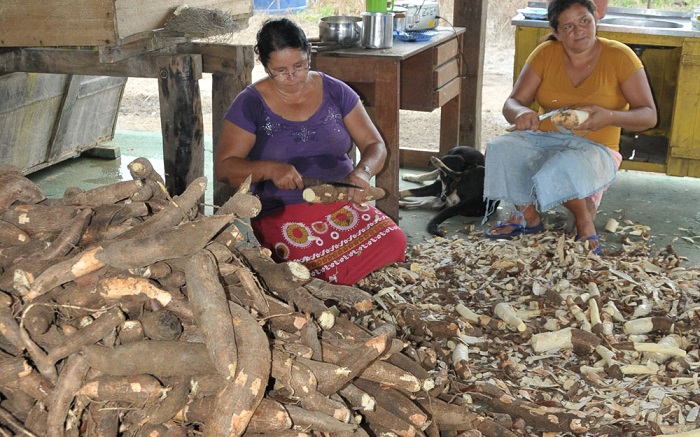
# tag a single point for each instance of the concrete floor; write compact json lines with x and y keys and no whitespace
{"x":667,"y":205}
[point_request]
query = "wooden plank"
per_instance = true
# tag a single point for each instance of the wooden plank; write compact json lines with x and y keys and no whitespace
{"x":417,"y":82}
{"x":445,"y":73}
{"x":134,"y":16}
{"x":685,"y":152}
{"x":445,"y":52}
{"x":222,"y":58}
{"x":471,"y":14}
{"x":93,"y":22}
{"x":446,"y":93}
{"x":57,"y":23}
{"x":449,"y":123}
{"x":75,"y":61}
{"x":661,"y":66}
{"x":181,"y":120}
{"x":643,"y":166}
{"x":643,"y":39}
{"x":417,"y":158}
{"x":152,"y":41}
{"x":29,"y":104}
{"x":685,"y":132}
{"x":58,"y":132}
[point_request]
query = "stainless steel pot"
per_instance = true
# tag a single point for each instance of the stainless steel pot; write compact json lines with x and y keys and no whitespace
{"x":399,"y":19}
{"x":377,"y":30}
{"x":341,"y":29}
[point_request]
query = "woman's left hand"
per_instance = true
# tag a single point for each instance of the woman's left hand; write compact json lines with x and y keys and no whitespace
{"x":598,"y":118}
{"x":361,"y":179}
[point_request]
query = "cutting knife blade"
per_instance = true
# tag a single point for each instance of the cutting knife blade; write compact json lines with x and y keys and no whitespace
{"x":311,"y":182}
{"x":544,"y":116}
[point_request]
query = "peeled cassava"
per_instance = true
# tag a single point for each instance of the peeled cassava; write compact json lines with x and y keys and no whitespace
{"x":570,"y":118}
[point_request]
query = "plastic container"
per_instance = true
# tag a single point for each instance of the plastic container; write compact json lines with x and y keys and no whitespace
{"x":695,"y":19}
{"x":377,"y":30}
{"x":279,"y":6}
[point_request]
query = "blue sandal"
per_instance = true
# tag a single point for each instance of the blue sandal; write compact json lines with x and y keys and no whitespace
{"x":598,"y":250}
{"x":519,"y":229}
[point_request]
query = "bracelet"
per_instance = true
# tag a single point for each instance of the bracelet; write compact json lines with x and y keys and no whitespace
{"x":366,"y":169}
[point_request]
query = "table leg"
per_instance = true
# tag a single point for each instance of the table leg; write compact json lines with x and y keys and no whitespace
{"x":386,"y":118}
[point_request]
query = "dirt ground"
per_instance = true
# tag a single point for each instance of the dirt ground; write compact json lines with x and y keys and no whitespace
{"x":139,"y":107}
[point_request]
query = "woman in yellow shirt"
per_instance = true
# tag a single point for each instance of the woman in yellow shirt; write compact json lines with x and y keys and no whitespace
{"x":537,"y":167}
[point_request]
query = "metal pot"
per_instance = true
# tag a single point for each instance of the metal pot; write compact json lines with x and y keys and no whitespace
{"x":340,"y":29}
{"x":377,"y":30}
{"x":399,"y":19}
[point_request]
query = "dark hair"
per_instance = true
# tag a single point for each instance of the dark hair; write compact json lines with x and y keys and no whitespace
{"x":279,"y":34}
{"x":556,"y":7}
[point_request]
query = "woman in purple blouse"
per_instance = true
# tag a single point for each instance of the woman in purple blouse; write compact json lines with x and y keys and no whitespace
{"x":300,"y":123}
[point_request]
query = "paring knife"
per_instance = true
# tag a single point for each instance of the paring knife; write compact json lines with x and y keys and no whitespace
{"x":512,"y":127}
{"x":310,"y":182}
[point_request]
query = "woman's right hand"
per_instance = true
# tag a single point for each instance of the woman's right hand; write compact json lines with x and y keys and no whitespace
{"x":285,"y":176}
{"x":527,"y":119}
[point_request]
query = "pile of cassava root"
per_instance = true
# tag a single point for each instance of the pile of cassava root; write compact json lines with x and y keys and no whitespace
{"x":126,"y":312}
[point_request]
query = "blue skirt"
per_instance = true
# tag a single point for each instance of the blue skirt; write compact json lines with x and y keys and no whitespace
{"x":545,"y":169}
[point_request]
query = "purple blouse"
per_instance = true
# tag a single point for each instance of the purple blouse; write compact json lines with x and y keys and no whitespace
{"x":317,"y":147}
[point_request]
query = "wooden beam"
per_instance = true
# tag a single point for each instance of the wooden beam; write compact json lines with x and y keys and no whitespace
{"x":76,"y":61}
{"x":471,"y":14}
{"x":222,"y":58}
{"x":181,"y":120}
{"x":150,"y":42}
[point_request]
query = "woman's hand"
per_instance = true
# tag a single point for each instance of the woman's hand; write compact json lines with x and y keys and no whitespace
{"x":285,"y":176}
{"x":360,"y":178}
{"x":598,"y":118}
{"x":527,"y":119}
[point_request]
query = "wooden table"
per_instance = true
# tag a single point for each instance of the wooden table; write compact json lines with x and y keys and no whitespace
{"x":420,"y":76}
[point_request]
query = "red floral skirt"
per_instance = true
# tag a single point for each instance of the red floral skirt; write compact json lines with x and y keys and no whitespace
{"x":339,"y":242}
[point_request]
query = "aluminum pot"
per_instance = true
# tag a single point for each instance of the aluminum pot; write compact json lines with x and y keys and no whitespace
{"x":341,"y":29}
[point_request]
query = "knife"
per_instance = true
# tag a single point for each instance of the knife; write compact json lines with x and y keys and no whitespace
{"x":546,"y":115}
{"x":310,"y":182}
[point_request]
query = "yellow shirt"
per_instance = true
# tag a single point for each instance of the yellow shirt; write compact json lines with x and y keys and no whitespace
{"x":602,"y":88}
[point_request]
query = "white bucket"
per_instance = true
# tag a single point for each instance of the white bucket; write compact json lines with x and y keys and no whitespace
{"x":377,"y":30}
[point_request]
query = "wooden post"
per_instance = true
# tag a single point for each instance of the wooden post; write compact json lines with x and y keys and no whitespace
{"x":232,"y":71}
{"x":181,"y":120}
{"x":471,"y":14}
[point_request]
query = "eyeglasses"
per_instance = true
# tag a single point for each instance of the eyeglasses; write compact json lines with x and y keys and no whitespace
{"x":282,"y":75}
{"x":285,"y":74}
